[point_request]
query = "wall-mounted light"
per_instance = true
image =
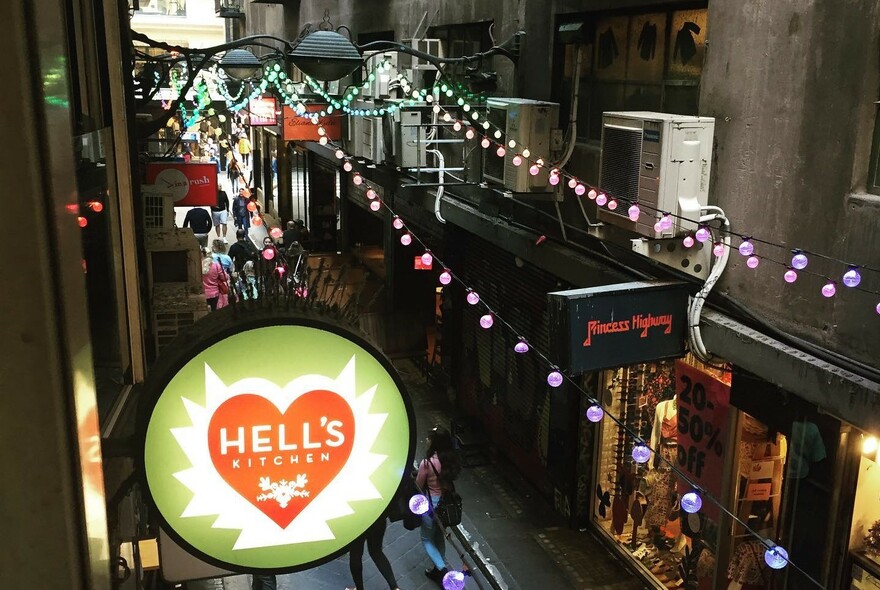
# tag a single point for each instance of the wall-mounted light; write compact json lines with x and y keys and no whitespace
{"x":869,"y":446}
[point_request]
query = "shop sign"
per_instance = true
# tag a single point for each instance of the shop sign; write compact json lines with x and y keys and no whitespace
{"x":262,"y":111}
{"x":758,"y":491}
{"x":703,"y":404}
{"x":188,"y":185}
{"x":272,"y":446}
{"x":297,"y":128}
{"x":618,"y":325}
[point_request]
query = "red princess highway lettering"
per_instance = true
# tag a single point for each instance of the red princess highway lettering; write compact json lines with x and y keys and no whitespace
{"x":638,"y":322}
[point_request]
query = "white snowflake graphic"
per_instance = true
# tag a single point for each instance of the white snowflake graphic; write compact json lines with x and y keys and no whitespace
{"x":283,"y":491}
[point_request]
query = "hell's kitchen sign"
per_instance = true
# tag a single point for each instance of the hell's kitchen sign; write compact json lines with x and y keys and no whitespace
{"x":271,"y":446}
{"x":299,"y":128}
{"x":262,"y":111}
{"x":618,"y":325}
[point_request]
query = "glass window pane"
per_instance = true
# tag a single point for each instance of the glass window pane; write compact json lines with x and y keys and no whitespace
{"x":647,"y":47}
{"x":611,"y":46}
{"x":687,"y":43}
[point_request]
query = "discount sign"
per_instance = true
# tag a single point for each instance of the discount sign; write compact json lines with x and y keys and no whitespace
{"x":703,"y":406}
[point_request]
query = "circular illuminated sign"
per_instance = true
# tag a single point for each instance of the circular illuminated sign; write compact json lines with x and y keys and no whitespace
{"x":272,"y":444}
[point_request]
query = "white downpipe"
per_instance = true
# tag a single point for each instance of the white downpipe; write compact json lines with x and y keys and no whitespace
{"x":696,"y":305}
{"x":572,"y":116}
{"x":441,"y":164}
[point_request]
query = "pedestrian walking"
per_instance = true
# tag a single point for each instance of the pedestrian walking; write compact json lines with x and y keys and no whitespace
{"x":373,"y":538}
{"x":218,"y":253}
{"x":233,"y":170}
{"x":215,"y":282}
{"x":200,"y":222}
{"x":242,"y":251}
{"x":220,"y":214}
{"x":440,"y":467}
{"x":239,"y":210}
{"x":244,"y":148}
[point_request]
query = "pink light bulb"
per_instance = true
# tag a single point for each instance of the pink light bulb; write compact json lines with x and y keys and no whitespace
{"x":572,"y":183}
{"x":747,"y":248}
{"x":829,"y":289}
{"x":485,"y":143}
{"x":592,"y":194}
{"x":612,"y":204}
{"x":601,"y":199}
{"x":790,"y":276}
{"x":486,"y":321}
{"x":347,"y":166}
{"x":427,"y":259}
{"x":375,"y":205}
{"x":445,"y":277}
{"x":658,"y":228}
{"x":703,"y":234}
{"x":406,"y":239}
{"x":500,"y":151}
{"x":472,"y":297}
{"x":666,"y":221}
{"x":634,"y":212}
{"x":470,"y":134}
{"x":323,"y":140}
{"x":554,"y":379}
{"x":533,"y":169}
{"x":397,"y":222}
{"x":358,"y":179}
{"x":521,"y":347}
{"x":580,"y":189}
{"x":516,"y":160}
{"x":457,"y":126}
{"x":371,"y":194}
{"x":718,"y":249}
{"x":276,"y":232}
{"x":269,"y":253}
{"x":340,"y":154}
{"x":257,"y":220}
{"x":752,"y":262}
{"x":688,"y":241}
{"x":877,"y":309}
{"x":554,"y":179}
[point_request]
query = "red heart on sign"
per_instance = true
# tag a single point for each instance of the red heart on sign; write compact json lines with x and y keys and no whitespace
{"x":281,"y":462}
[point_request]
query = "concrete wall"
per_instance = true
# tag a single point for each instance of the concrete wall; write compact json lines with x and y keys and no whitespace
{"x":792,"y":86}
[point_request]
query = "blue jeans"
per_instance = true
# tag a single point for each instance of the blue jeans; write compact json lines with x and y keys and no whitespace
{"x":433,"y":538}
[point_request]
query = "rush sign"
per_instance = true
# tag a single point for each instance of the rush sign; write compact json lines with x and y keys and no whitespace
{"x":274,"y":446}
{"x":618,"y":325}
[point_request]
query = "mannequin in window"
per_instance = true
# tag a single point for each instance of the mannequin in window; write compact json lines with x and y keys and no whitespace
{"x":664,"y":436}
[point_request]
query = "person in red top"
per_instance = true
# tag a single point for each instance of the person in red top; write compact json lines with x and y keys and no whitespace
{"x":437,"y":470}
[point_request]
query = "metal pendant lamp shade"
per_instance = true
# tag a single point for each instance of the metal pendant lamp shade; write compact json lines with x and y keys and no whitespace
{"x":240,"y":64}
{"x":326,"y":55}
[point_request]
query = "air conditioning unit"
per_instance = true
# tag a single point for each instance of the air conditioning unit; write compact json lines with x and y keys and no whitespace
{"x":409,"y":138}
{"x":661,"y":160}
{"x":378,"y":87}
{"x":529,"y":123}
{"x":365,"y":137}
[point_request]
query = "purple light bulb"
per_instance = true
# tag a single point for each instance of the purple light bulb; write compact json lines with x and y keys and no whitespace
{"x":752,"y":262}
{"x":601,"y":199}
{"x":427,"y":259}
{"x":777,"y":557}
{"x":658,"y":228}
{"x":521,"y":347}
{"x":554,"y":379}
{"x":852,"y":278}
{"x":718,"y":249}
{"x":666,"y":221}
{"x":406,"y":239}
{"x":634,"y":212}
{"x":688,"y":241}
{"x":746,"y":248}
{"x":691,"y":502}
{"x":445,"y":277}
{"x":799,"y":261}
{"x":790,"y":276}
{"x":418,"y":504}
{"x":703,"y":234}
{"x":453,"y":581}
{"x":486,"y":321}
{"x":641,"y":453}
{"x":595,"y":413}
{"x":877,"y":309}
{"x":829,"y":289}
{"x":472,"y":297}
{"x":397,"y":222}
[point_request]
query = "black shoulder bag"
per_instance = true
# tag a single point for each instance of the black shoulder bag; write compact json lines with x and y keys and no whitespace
{"x":448,"y":510}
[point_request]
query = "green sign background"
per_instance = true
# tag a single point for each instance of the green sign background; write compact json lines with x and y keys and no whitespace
{"x":278,"y":354}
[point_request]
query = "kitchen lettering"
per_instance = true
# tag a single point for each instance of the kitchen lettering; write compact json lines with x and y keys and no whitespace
{"x":640,"y":323}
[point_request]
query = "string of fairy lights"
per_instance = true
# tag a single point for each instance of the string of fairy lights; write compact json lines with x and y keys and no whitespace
{"x":775,"y":556}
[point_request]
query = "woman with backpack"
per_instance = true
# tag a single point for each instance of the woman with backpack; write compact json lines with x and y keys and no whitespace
{"x":437,"y":471}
